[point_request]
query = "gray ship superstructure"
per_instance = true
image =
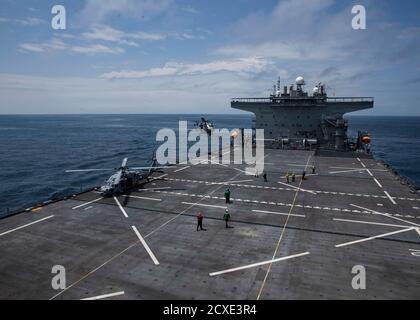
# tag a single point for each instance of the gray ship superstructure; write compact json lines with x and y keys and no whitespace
{"x":294,"y":116}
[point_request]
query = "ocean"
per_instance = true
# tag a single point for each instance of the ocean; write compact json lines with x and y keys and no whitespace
{"x":35,"y":150}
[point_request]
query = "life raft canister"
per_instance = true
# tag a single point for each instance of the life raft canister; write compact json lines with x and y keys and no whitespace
{"x":366,"y":139}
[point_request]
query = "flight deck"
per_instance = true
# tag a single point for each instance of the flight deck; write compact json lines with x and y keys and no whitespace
{"x":296,"y":240}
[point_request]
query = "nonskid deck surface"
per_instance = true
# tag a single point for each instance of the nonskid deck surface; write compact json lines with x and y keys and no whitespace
{"x":288,"y":241}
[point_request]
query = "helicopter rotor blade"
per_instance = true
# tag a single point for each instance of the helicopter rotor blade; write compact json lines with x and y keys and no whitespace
{"x":124,"y":163}
{"x":87,"y":170}
{"x":118,"y":177}
{"x":146,"y":168}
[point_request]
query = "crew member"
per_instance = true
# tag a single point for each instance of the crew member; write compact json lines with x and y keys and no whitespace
{"x":265,"y":177}
{"x":227,"y":195}
{"x":226,"y":217}
{"x":200,"y":218}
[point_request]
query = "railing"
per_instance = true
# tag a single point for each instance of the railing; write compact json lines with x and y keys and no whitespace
{"x":251,"y":100}
{"x":350,"y":99}
{"x":303,"y":100}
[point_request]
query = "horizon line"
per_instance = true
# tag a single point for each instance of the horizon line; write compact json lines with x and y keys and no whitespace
{"x":244,"y":114}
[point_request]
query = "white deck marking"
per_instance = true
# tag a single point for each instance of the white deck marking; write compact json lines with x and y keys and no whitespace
{"x":370,"y":173}
{"x":297,"y":165}
{"x":144,"y":198}
{"x":350,"y":168}
{"x":238,"y":181}
{"x":307,"y":175}
{"x":258,"y":264}
{"x":280,"y":213}
{"x":156,"y":262}
{"x":25,"y":225}
{"x":389,"y":197}
{"x":377,"y":182}
{"x":90,"y":207}
{"x":226,"y":166}
{"x":386,"y":215}
{"x":374,"y":237}
{"x":275,"y":203}
{"x":183,"y":211}
{"x":290,"y":189}
{"x":297,"y":188}
{"x":163,"y":175}
{"x":121,"y":208}
{"x":281,"y":235}
{"x":182,"y":169}
{"x":346,"y":171}
{"x":373,"y":223}
{"x":85,"y":204}
{"x":217,"y":155}
{"x":204,"y":205}
{"x":418,"y":231}
{"x":104,"y":296}
{"x":148,"y":189}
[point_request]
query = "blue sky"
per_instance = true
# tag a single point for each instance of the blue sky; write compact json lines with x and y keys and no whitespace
{"x":168,"y":56}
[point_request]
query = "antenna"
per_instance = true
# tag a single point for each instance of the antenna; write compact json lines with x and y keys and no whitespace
{"x":278,"y":83}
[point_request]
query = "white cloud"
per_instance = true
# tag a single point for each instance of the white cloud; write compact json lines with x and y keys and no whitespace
{"x":58,"y":44}
{"x":291,"y":51}
{"x":307,"y":37}
{"x":27,"y":22}
{"x":96,"y":11}
{"x":192,"y":93}
{"x":190,"y":9}
{"x":239,"y":66}
{"x":102,"y":33}
{"x":33,"y":47}
{"x":147,"y":36}
{"x":54,"y":44}
{"x":96,"y":48}
{"x":195,"y":93}
{"x":107,"y":33}
{"x":188,"y":36}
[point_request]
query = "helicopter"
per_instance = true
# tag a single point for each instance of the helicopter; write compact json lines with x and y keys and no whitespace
{"x":124,"y":178}
{"x":205,"y":125}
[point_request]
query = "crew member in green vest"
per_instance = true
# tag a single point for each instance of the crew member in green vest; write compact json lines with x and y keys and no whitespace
{"x":227,"y":195}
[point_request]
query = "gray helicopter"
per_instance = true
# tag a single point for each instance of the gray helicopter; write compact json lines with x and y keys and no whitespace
{"x":205,"y":125}
{"x":125,"y":178}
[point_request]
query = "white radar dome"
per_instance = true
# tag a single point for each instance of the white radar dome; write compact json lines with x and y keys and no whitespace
{"x":315,"y":90}
{"x":300,"y":81}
